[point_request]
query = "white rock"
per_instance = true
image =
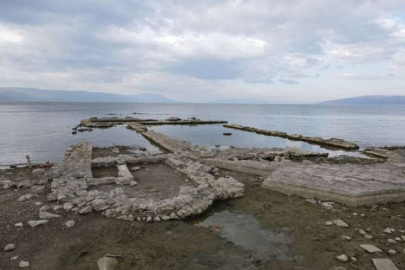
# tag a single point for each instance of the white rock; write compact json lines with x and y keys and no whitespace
{"x":56,"y":207}
{"x":38,"y":172}
{"x":403,"y":237}
{"x":340,"y":223}
{"x":391,"y":241}
{"x":38,"y":203}
{"x":327,"y":205}
{"x":133,"y":183}
{"x":85,"y":210}
{"x":68,"y":206}
{"x":107,"y":263}
{"x":328,"y":223}
{"x":134,"y":169}
{"x":14,"y":258}
{"x":388,"y":230}
{"x":44,"y":208}
{"x":9,"y":247}
{"x":370,"y":248}
{"x":345,"y":237}
{"x":116,"y":150}
{"x":24,"y":264}
{"x":46,"y":215}
{"x":342,"y":258}
{"x":25,"y":197}
{"x":353,"y":259}
{"x":384,"y":264}
{"x":70,"y":223}
{"x":19,"y":224}
{"x":362,"y":232}
{"x":99,"y":205}
{"x":392,"y":252}
{"x":367,"y":236}
{"x":36,"y":223}
{"x":398,"y":239}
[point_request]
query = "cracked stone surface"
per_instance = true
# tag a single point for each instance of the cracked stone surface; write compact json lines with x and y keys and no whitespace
{"x":347,"y":183}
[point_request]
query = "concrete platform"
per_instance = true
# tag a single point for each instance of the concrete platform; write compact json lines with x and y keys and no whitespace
{"x":349,"y":184}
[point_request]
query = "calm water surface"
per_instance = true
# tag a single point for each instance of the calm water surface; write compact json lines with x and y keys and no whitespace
{"x":43,"y":130}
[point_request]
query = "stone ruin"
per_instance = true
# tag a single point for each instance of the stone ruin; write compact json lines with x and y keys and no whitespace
{"x":75,"y":187}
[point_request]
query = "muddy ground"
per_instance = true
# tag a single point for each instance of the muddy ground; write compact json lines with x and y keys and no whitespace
{"x":263,"y":230}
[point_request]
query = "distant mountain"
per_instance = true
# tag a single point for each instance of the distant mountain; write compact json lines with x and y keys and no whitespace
{"x":368,"y":100}
{"x":240,"y":101}
{"x":10,"y":94}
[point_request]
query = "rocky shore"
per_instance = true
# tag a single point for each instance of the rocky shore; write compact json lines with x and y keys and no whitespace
{"x":113,"y":208}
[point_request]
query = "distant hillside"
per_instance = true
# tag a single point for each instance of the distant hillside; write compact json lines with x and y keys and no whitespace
{"x":368,"y":100}
{"x":238,"y":101}
{"x":13,"y":94}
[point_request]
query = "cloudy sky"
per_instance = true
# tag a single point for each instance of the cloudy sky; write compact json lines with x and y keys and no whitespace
{"x":289,"y":51}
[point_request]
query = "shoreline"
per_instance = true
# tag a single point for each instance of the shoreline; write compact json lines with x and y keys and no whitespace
{"x":186,"y":185}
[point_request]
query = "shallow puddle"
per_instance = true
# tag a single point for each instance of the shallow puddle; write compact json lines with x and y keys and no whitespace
{"x":245,"y":231}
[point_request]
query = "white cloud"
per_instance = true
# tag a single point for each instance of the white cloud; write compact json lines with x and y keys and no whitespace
{"x":209,"y":48}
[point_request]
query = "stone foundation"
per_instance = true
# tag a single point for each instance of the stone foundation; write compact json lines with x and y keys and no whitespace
{"x":72,"y":182}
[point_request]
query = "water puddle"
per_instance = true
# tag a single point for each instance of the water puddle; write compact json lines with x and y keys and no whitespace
{"x":245,"y":231}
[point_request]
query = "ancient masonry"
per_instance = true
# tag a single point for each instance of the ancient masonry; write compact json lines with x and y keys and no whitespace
{"x":75,"y":188}
{"x":382,"y":180}
{"x":333,"y":142}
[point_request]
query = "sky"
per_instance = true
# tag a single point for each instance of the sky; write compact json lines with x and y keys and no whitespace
{"x":275,"y":51}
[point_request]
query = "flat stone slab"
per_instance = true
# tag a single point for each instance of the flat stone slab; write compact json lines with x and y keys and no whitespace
{"x":347,"y":183}
{"x":384,"y":264}
{"x":370,"y":248}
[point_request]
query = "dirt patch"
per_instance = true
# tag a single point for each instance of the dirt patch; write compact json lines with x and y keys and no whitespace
{"x":308,"y":244}
{"x":100,"y":172}
{"x":157,"y":181}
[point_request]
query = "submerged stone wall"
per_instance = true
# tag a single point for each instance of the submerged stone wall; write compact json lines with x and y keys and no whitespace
{"x":333,"y":142}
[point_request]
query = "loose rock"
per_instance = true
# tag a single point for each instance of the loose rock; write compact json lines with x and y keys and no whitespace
{"x":340,"y":223}
{"x":342,"y":258}
{"x":38,"y":172}
{"x":46,"y":215}
{"x":24,"y":264}
{"x":392,"y":252}
{"x":370,"y":248}
{"x":107,"y":263}
{"x":25,"y":197}
{"x":70,"y":223}
{"x":36,"y":223}
{"x":9,"y":247}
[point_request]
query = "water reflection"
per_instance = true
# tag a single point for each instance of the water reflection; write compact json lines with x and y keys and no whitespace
{"x":245,"y":231}
{"x":210,"y":135}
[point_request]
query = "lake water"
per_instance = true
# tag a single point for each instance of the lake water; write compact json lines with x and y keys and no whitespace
{"x":43,"y":130}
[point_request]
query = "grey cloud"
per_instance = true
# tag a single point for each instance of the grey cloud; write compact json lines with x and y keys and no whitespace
{"x":108,"y":43}
{"x":286,"y":81}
